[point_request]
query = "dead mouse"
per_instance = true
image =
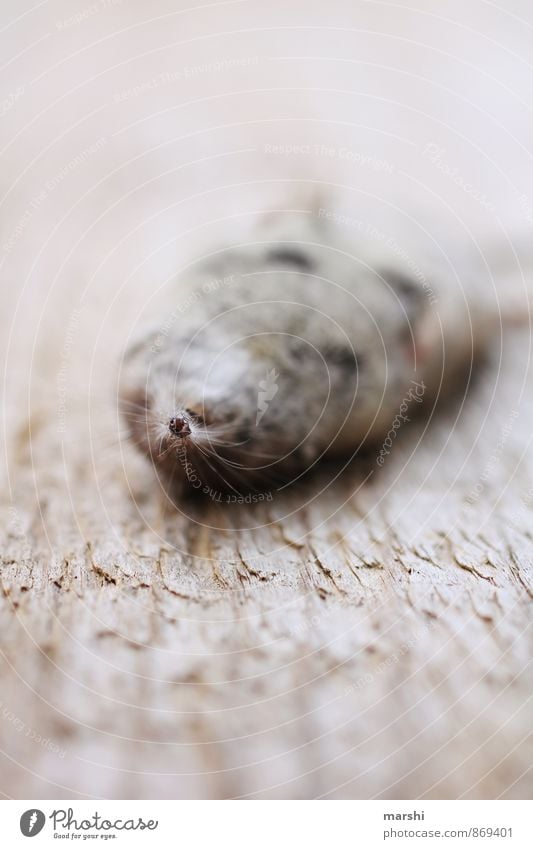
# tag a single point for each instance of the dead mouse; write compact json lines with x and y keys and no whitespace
{"x":288,"y":349}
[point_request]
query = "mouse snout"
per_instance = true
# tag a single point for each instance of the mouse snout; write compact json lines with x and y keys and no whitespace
{"x":179,"y":426}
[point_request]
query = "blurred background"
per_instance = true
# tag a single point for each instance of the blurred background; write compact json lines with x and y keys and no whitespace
{"x":136,"y":137}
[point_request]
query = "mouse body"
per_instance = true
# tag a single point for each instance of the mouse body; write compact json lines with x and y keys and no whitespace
{"x":288,"y":349}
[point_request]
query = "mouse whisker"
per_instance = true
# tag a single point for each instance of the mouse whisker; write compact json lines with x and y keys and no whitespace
{"x":218,"y":472}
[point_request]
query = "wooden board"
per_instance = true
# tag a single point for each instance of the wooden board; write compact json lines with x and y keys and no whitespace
{"x":370,"y":640}
{"x":370,"y":643}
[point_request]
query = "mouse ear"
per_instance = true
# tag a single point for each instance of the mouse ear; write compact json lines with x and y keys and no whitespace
{"x":407,"y":290}
{"x":414,"y":320}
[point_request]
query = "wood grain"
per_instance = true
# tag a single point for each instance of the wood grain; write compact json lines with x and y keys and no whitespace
{"x":372,"y":642}
{"x":367,"y":638}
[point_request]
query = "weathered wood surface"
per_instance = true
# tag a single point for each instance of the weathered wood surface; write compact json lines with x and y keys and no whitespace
{"x":372,"y":641}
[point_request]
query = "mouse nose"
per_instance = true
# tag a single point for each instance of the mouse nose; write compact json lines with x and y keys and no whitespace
{"x":179,"y":426}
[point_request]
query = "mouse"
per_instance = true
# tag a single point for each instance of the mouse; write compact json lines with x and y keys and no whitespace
{"x":288,"y":349}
